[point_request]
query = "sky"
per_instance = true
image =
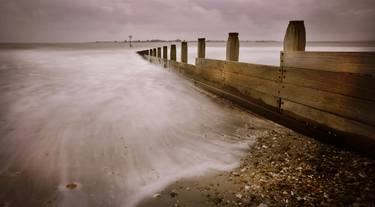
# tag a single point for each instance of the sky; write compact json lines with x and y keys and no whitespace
{"x":108,"y":20}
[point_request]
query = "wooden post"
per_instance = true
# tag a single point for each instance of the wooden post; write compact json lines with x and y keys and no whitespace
{"x":184,"y":52}
{"x":151,"y":54}
{"x":154,"y":52}
{"x":165,"y":52}
{"x":233,"y":47}
{"x":173,"y":52}
{"x":159,"y":52}
{"x":201,"y":48}
{"x":295,"y":36}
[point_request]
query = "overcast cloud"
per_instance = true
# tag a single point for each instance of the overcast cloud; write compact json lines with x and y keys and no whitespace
{"x":91,"y":20}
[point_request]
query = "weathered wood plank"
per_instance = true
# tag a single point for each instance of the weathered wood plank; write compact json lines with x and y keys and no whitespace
{"x":256,"y":70}
{"x":327,"y":119}
{"x":350,"y":62}
{"x":210,"y":64}
{"x":210,"y":70}
{"x":349,"y":107}
{"x":238,"y":80}
{"x":188,"y":69}
{"x":156,"y":60}
{"x":349,"y":84}
{"x":260,"y":97}
{"x":211,"y":75}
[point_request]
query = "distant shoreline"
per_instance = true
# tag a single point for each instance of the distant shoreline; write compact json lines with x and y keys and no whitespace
{"x":161,"y":41}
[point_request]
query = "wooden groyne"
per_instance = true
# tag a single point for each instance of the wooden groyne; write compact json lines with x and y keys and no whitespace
{"x":326,"y":94}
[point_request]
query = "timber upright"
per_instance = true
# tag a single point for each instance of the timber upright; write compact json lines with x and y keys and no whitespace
{"x":295,"y":36}
{"x":233,"y":47}
{"x":165,"y":56}
{"x":165,"y":52}
{"x":184,"y":52}
{"x":173,"y":53}
{"x":327,"y":94}
{"x":201,"y":48}
{"x":294,"y":41}
{"x":159,"y":52}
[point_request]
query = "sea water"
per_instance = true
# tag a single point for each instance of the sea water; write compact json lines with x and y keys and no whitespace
{"x":117,"y":127}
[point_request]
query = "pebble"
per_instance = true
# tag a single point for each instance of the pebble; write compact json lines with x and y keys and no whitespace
{"x":247,"y":188}
{"x":173,"y":193}
{"x":156,"y":195}
{"x":239,"y":195}
{"x":71,"y":186}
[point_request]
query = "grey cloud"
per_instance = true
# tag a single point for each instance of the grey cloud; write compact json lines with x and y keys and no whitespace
{"x":90,"y":20}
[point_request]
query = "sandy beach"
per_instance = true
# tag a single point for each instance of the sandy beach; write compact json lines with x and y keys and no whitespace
{"x":282,"y":168}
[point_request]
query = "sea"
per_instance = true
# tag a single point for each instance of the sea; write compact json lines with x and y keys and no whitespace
{"x":94,"y":124}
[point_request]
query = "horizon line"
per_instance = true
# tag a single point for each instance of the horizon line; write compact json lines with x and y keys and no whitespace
{"x":177,"y":40}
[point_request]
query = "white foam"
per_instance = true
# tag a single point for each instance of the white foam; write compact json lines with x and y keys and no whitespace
{"x":110,"y":121}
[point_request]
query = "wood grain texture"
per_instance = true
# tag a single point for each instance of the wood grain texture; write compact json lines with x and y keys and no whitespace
{"x":349,"y":62}
{"x":349,"y":107}
{"x":265,"y":99}
{"x":210,"y":70}
{"x":339,"y":123}
{"x":332,"y":90}
{"x":295,"y":36}
{"x":188,"y":69}
{"x":256,"y":70}
{"x":349,"y":84}
{"x":246,"y":78}
{"x":238,"y":80}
